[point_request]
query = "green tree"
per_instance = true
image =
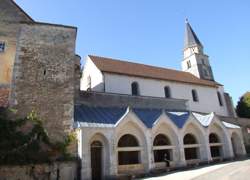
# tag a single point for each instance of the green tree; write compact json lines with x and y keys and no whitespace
{"x":243,"y":106}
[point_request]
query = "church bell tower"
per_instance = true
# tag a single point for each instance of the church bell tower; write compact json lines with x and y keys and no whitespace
{"x":195,"y":61}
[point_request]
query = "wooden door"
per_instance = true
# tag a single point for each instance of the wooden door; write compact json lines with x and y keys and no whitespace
{"x":96,"y":160}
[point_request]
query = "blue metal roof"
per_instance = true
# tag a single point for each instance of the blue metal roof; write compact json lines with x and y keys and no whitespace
{"x":205,"y":120}
{"x":179,"y":118}
{"x":148,"y":116}
{"x":109,"y":116}
{"x":101,"y":115}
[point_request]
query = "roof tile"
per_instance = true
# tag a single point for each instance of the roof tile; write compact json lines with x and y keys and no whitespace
{"x":134,"y":69}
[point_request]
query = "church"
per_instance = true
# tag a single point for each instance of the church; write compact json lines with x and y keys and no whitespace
{"x":132,"y":116}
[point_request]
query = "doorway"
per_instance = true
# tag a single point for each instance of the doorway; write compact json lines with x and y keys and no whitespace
{"x":96,"y":160}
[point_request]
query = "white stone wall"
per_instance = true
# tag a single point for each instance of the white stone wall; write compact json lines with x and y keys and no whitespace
{"x":96,"y":76}
{"x":130,"y":124}
{"x":208,"y":100}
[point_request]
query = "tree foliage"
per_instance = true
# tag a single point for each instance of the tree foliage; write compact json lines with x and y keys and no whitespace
{"x":25,"y":141}
{"x":243,"y":106}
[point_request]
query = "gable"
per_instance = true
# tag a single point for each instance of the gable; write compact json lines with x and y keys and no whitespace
{"x":10,"y":11}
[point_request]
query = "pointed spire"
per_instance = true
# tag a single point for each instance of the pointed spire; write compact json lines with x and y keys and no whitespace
{"x":190,"y":38}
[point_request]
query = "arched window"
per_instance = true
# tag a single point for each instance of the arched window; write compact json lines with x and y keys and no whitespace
{"x":219,"y":99}
{"x":190,"y":147}
{"x":161,"y":149}
{"x":195,"y":95}
{"x":128,"y":141}
{"x":161,"y":140}
{"x":213,"y":138}
{"x":188,"y":64}
{"x":89,"y":83}
{"x":135,"y":88}
{"x":125,"y":155}
{"x":167,"y":91}
{"x":189,"y":139}
{"x":215,"y":146}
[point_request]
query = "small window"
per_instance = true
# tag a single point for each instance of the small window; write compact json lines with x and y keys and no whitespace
{"x":219,"y":99}
{"x":205,"y":72}
{"x":195,"y":95}
{"x":188,"y":64}
{"x":203,"y":61}
{"x":135,"y":89}
{"x":167,"y":92}
{"x":89,"y":83}
{"x":2,"y":46}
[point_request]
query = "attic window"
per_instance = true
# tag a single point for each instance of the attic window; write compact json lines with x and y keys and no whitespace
{"x":2,"y":46}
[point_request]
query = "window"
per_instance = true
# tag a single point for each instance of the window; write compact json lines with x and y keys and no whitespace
{"x":188,"y":64}
{"x":2,"y":46}
{"x":125,"y":155}
{"x":215,"y":145}
{"x":195,"y":95}
{"x":160,"y":153}
{"x":135,"y":88}
{"x":189,"y":139}
{"x":203,"y":61}
{"x":205,"y":72}
{"x":213,"y":138}
{"x":219,"y":99}
{"x":167,"y":92}
{"x":89,"y":83}
{"x":161,"y":140}
{"x":191,"y":152}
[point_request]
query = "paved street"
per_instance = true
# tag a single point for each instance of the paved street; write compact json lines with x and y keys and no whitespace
{"x":239,"y":170}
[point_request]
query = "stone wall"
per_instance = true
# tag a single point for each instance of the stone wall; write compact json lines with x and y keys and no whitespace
{"x":43,"y":75}
{"x":4,"y":95}
{"x":245,"y":124}
{"x":110,"y":99}
{"x":55,"y":171}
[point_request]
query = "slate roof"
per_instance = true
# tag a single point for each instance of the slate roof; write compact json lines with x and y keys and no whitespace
{"x":148,"y":116}
{"x":89,"y":116}
{"x":101,"y":115}
{"x":178,"y":118}
{"x":190,"y":38}
{"x":205,"y":120}
{"x":229,"y":125}
{"x":146,"y":71}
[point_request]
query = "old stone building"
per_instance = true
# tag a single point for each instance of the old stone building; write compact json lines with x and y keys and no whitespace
{"x":37,"y":68}
{"x":130,"y":118}
{"x":133,"y":117}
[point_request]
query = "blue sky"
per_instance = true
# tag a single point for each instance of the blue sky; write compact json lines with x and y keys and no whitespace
{"x":151,"y":32}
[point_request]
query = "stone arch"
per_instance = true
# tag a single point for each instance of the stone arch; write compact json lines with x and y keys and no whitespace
{"x":99,"y":155}
{"x":215,"y":146}
{"x":219,"y":149}
{"x":134,"y":127}
{"x":165,"y":127}
{"x":238,"y":148}
{"x":194,"y":129}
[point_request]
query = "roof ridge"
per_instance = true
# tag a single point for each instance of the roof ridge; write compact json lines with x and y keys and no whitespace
{"x":147,"y":65}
